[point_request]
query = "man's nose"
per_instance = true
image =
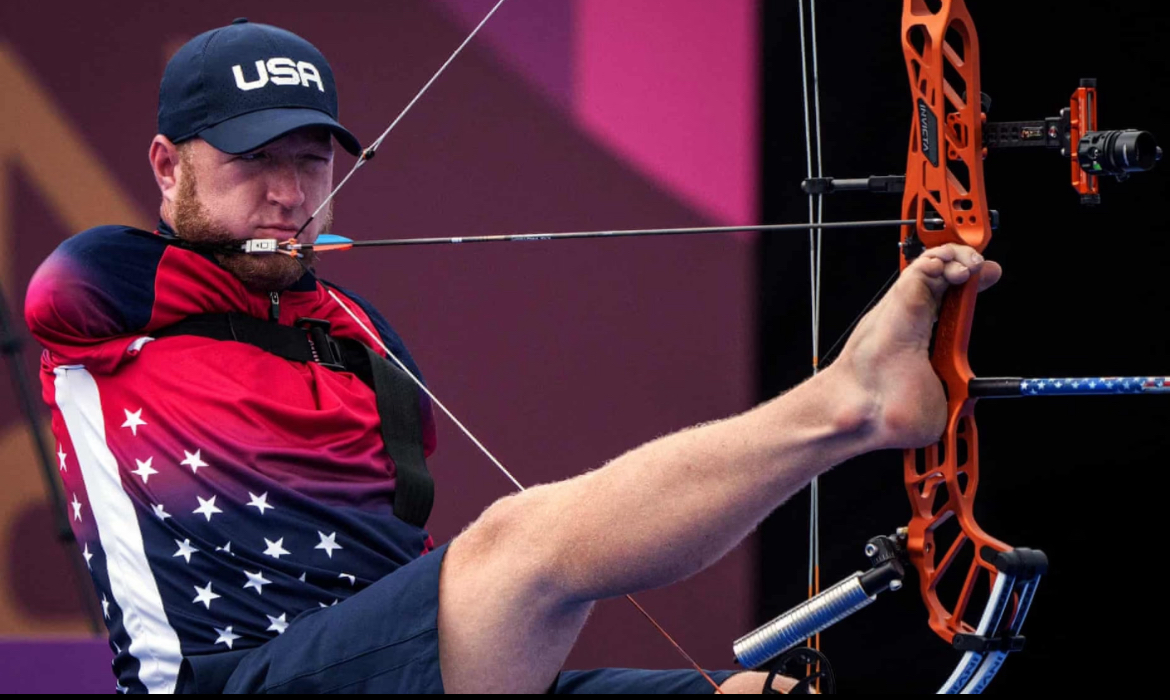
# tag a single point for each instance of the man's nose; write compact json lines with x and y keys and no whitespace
{"x":284,"y":187}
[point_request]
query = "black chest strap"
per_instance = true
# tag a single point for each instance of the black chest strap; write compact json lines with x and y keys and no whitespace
{"x":396,"y":395}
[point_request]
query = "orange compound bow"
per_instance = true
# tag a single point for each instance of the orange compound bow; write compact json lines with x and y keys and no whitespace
{"x":944,"y":179}
{"x":944,"y":198}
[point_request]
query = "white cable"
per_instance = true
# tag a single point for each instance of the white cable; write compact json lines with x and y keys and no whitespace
{"x":427,"y":391}
{"x":369,"y":152}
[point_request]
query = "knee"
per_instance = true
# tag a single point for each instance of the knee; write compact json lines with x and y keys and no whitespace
{"x":500,"y":548}
{"x":532,"y":539}
{"x":498,"y":528}
{"x":496,"y":575}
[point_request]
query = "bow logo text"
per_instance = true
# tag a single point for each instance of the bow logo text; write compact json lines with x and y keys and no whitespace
{"x":281,"y":71}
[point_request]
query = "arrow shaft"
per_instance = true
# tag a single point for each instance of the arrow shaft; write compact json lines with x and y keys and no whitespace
{"x":628,"y":233}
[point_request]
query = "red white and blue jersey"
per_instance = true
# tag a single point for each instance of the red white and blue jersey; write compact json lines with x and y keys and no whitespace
{"x":215,"y":490}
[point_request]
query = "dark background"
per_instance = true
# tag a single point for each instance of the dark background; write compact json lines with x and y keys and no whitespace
{"x":1084,"y":294}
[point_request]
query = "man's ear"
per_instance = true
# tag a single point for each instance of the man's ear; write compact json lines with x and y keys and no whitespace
{"x":164,"y":161}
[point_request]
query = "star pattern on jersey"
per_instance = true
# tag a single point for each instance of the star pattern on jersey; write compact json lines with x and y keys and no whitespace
{"x":185,"y":550}
{"x":256,"y":581}
{"x":195,"y":461}
{"x":328,"y":543}
{"x":205,"y":595}
{"x":270,"y":496}
{"x":207,"y":507}
{"x":145,"y":471}
{"x":279,"y":624}
{"x":226,"y":636}
{"x":133,"y":421}
{"x":275,"y":549}
{"x":260,"y":502}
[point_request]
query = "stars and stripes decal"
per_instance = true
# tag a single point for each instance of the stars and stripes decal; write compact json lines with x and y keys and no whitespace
{"x":1073,"y":386}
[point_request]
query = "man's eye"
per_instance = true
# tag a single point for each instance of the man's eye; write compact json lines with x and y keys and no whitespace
{"x":253,"y":157}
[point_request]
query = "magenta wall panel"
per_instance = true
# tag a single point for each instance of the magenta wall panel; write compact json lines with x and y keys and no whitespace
{"x":564,"y":116}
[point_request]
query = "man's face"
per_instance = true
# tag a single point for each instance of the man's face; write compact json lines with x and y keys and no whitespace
{"x":266,"y":193}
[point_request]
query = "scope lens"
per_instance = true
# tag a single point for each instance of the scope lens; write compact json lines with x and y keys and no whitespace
{"x":1118,"y":152}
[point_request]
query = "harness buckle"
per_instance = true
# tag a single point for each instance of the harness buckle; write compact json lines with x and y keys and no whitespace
{"x":326,"y":351}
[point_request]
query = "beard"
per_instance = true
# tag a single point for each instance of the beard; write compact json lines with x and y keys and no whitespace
{"x":268,"y":272}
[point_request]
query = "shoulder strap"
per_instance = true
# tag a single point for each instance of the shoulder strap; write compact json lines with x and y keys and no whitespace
{"x":396,"y":395}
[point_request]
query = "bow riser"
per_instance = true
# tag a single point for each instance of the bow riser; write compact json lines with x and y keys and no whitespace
{"x":944,"y":180}
{"x":944,"y":169}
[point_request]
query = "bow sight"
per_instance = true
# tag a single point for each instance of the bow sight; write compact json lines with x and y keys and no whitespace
{"x":1092,"y":153}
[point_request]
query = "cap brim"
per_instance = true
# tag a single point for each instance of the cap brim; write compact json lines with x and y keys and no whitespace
{"x":251,"y":131}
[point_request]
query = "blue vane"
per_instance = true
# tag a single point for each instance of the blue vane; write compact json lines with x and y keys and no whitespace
{"x":330,"y":239}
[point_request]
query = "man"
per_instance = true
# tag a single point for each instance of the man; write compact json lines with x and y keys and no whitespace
{"x":246,"y":471}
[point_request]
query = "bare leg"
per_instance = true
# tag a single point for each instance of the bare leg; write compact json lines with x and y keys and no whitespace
{"x":517,"y":585}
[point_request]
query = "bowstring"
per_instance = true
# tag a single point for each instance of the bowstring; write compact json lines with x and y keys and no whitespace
{"x":369,"y":151}
{"x":816,"y":213}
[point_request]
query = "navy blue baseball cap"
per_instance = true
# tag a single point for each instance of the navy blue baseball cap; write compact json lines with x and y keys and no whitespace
{"x":240,"y":86}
